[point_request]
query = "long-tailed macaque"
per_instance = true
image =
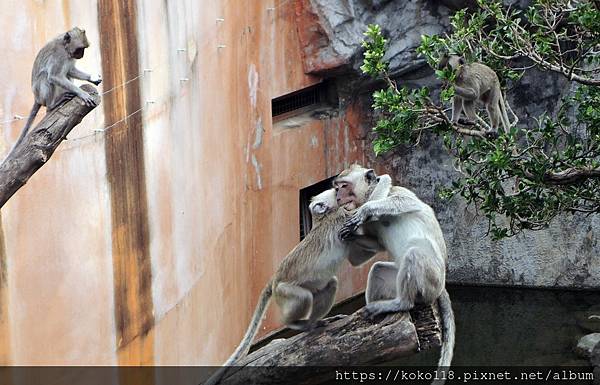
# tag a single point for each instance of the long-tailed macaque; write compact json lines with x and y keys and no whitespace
{"x":408,"y":229}
{"x":53,"y":69}
{"x":476,"y":82}
{"x":305,"y":284}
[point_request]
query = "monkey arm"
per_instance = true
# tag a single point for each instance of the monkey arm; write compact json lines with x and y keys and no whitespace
{"x":397,"y":203}
{"x":466,"y":93}
{"x":64,"y":82}
{"x":79,"y":74}
{"x":361,"y":249}
{"x":393,"y":205}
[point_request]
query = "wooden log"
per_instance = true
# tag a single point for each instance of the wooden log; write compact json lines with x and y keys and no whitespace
{"x":40,"y":143}
{"x":353,"y":340}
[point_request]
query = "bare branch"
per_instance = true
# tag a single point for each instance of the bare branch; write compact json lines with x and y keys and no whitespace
{"x":40,"y":143}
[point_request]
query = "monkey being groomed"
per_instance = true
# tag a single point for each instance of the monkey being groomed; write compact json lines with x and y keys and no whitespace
{"x":476,"y":82}
{"x":53,"y":69}
{"x":304,"y":285}
{"x":408,"y":229}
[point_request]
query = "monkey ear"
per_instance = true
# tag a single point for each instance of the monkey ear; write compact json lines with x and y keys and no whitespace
{"x":461,"y":60}
{"x":67,"y":37}
{"x":319,"y":208}
{"x":370,"y":175}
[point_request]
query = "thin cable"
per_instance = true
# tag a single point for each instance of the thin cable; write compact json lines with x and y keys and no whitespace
{"x":121,"y":120}
{"x":279,"y":6}
{"x":143,"y":73}
{"x":103,"y":130}
{"x":17,"y":117}
{"x":137,"y":77}
{"x":124,"y":84}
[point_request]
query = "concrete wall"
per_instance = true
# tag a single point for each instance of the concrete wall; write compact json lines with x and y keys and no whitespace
{"x":149,"y":243}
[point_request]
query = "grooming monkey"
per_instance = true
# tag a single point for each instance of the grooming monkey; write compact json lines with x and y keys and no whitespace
{"x":408,"y":229}
{"x":304,"y":285}
{"x":476,"y":82}
{"x":53,"y":69}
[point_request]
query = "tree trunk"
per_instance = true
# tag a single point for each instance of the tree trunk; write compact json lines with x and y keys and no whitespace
{"x":350,"y":341}
{"x":40,"y":142}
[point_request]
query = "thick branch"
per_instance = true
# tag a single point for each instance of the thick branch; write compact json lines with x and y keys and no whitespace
{"x":568,"y":176}
{"x":351,"y":341}
{"x":40,"y":143}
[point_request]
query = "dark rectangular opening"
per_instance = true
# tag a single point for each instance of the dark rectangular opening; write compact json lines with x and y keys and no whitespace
{"x":305,"y":195}
{"x":301,"y":101}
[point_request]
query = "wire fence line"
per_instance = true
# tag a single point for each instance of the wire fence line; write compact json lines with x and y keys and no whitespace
{"x":137,"y":78}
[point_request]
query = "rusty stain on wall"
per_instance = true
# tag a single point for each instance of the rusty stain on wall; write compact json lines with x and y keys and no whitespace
{"x":125,"y":169}
{"x":153,"y":201}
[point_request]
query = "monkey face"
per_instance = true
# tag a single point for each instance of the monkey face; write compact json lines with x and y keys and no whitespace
{"x":352,"y":186}
{"x":76,"y":42}
{"x":344,"y":192}
{"x":450,"y":61}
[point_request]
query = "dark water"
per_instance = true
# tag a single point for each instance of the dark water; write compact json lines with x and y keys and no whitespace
{"x":507,"y":326}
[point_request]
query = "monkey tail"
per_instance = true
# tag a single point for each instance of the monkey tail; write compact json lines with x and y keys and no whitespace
{"x":244,"y":346}
{"x":503,"y":112}
{"x":448,"y":333}
{"x":30,"y":119}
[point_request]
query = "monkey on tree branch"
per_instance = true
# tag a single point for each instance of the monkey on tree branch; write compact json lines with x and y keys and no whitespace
{"x":51,"y":75}
{"x":520,"y":176}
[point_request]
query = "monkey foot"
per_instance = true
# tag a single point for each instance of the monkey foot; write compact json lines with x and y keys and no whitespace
{"x":303,"y":325}
{"x":377,"y":308}
{"x":491,"y":134}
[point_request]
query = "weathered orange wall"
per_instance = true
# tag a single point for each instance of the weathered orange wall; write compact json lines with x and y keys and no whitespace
{"x":220,"y":184}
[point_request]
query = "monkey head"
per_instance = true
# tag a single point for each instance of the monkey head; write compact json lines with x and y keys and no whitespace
{"x":353,"y":186}
{"x":323,"y":203}
{"x":75,"y":42}
{"x":451,"y":61}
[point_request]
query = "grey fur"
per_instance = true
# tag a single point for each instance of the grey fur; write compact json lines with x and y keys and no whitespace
{"x":53,"y":69}
{"x":304,"y":285}
{"x":408,"y":229}
{"x":476,"y":82}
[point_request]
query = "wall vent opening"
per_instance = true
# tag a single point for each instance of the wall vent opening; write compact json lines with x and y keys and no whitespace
{"x":303,"y":100}
{"x":305,"y":195}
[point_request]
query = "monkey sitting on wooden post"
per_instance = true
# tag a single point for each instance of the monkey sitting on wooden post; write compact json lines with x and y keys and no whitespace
{"x":53,"y":69}
{"x":409,"y":231}
{"x":304,"y":285}
{"x":476,"y":82}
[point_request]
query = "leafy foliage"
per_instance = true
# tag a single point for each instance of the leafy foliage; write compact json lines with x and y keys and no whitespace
{"x":528,"y":175}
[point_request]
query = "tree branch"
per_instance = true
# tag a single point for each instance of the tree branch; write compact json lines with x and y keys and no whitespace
{"x":571,"y":175}
{"x":40,"y":143}
{"x":351,"y":341}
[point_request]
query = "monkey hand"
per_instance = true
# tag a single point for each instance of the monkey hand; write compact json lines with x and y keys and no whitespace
{"x":88,"y":100}
{"x":96,"y":79}
{"x":350,"y":226}
{"x":359,"y":217}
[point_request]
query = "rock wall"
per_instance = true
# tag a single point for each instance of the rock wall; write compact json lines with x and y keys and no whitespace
{"x":565,"y":255}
